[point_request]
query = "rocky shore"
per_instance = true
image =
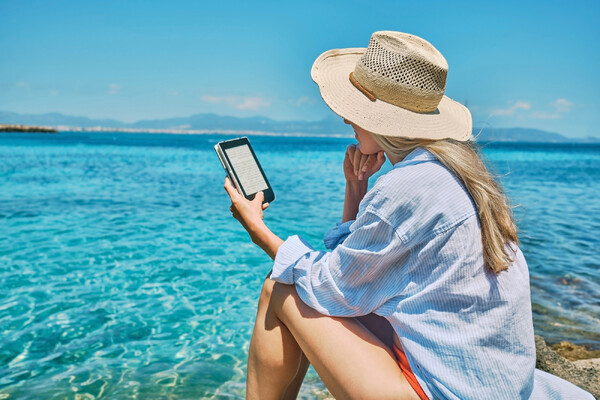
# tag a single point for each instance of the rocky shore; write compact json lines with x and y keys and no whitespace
{"x":573,"y":363}
{"x":26,"y":129}
{"x":566,"y":360}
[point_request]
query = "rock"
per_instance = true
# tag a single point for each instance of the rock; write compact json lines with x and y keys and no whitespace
{"x":573,"y":352}
{"x":584,"y":375}
{"x":591,"y":363}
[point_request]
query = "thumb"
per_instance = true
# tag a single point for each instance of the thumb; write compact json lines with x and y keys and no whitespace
{"x":231,"y":191}
{"x":259,"y":197}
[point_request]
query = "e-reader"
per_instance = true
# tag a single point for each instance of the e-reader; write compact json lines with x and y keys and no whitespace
{"x":243,"y":169}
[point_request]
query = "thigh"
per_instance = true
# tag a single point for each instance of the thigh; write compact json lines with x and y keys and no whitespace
{"x":349,"y":358}
{"x":380,"y":327}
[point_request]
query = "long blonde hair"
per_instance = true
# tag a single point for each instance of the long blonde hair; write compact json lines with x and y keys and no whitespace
{"x":464,"y":160}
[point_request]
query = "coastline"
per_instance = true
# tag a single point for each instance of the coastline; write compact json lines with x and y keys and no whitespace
{"x":57,"y":129}
{"x":570,"y":362}
{"x":27,"y":128}
{"x":483,"y":136}
{"x":14,"y":128}
{"x":237,"y":132}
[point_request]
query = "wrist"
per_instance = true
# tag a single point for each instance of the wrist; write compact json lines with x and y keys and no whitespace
{"x":262,"y":236}
{"x":357,"y":187}
{"x":357,"y":182}
{"x":355,"y":192}
{"x":257,"y":230}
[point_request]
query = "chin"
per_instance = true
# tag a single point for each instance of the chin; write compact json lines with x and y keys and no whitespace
{"x":366,"y":151}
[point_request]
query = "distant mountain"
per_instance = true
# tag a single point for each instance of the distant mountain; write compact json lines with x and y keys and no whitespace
{"x":332,"y":125}
{"x":517,"y":135}
{"x":215,"y":122}
{"x":210,"y":122}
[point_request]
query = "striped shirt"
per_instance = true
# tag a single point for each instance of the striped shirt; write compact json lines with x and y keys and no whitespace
{"x":414,"y":256}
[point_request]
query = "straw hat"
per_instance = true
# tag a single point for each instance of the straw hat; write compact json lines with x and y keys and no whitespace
{"x":394,"y":87}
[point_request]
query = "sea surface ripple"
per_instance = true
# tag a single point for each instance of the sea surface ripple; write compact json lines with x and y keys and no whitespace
{"x":124,"y":276}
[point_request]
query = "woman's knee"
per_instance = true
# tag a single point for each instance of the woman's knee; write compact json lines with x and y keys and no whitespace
{"x":281,"y":293}
{"x":272,"y":296}
{"x":281,"y":301}
{"x":267,"y":291}
{"x":271,"y":289}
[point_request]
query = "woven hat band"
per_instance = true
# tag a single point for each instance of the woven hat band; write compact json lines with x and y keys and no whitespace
{"x":408,"y":73}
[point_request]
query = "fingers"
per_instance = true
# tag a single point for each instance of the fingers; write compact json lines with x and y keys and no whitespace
{"x":257,"y":202}
{"x":366,"y":166}
{"x":370,"y":164}
{"x":361,"y":167}
{"x":234,"y":212}
{"x":350,"y":150}
{"x":258,"y":197}
{"x":231,"y":191}
{"x":356,"y":161}
{"x":349,"y":161}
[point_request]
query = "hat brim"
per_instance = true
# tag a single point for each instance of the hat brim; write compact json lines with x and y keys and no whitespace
{"x":331,"y":72}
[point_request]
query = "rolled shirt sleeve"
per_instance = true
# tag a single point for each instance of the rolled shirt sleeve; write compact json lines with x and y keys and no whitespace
{"x":288,"y":254}
{"x":355,"y":278}
{"x":337,"y":234}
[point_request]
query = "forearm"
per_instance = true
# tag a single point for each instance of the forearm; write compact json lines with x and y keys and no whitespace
{"x":355,"y":191}
{"x":262,"y":236}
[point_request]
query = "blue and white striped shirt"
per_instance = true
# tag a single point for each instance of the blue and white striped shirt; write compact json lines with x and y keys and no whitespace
{"x":414,"y":256}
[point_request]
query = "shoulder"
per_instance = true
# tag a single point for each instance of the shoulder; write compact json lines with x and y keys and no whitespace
{"x":419,"y":195}
{"x":420,"y":180}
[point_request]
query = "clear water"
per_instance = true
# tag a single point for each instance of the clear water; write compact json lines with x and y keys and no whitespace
{"x":123,"y":275}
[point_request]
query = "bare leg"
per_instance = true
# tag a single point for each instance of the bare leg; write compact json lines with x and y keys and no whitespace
{"x":274,"y":358}
{"x":349,"y":358}
{"x":294,"y":387}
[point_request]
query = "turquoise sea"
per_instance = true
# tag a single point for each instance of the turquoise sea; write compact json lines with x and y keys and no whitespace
{"x":124,"y":276}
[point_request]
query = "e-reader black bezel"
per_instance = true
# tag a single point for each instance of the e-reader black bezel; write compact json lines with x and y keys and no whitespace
{"x":244,"y":141}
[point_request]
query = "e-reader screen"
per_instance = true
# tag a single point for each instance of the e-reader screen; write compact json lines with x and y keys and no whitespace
{"x":246,"y":169}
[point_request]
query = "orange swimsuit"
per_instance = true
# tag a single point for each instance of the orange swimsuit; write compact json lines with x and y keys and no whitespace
{"x":407,"y":372}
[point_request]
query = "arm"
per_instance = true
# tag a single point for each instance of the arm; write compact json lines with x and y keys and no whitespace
{"x":250,"y":214}
{"x":355,"y":192}
{"x":266,"y":240}
{"x":358,"y":168}
{"x":354,"y":279}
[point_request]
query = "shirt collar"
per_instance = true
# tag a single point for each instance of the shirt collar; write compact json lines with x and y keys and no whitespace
{"x":417,"y":156}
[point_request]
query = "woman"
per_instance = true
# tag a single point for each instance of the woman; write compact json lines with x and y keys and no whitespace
{"x":425,"y":293}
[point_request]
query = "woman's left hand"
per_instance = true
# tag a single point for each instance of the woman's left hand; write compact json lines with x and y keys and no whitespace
{"x":359,"y":166}
{"x":249,"y":213}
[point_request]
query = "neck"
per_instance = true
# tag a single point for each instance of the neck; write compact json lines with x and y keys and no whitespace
{"x":393,"y":159}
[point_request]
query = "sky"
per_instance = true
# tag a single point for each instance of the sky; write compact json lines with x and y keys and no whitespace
{"x":530,"y":64}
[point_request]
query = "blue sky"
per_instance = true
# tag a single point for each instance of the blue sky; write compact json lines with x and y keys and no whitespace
{"x":515,"y":63}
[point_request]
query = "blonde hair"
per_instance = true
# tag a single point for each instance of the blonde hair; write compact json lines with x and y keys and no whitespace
{"x":464,"y":160}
